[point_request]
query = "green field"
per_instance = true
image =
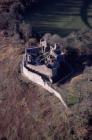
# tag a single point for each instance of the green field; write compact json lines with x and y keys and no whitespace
{"x":61,"y":16}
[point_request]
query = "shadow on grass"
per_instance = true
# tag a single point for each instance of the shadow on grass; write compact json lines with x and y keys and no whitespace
{"x":42,"y":30}
{"x":77,"y":63}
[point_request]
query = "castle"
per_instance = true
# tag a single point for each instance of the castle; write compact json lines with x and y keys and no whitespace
{"x":44,"y":60}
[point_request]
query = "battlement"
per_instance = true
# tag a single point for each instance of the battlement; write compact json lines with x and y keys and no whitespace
{"x":44,"y":59}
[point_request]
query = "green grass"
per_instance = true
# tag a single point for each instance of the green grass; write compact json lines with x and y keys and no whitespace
{"x":58,"y":17}
{"x":72,"y":100}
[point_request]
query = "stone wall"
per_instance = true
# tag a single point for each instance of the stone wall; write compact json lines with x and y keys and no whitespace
{"x":35,"y":78}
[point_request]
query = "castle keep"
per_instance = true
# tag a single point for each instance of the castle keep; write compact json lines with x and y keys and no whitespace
{"x":44,"y":60}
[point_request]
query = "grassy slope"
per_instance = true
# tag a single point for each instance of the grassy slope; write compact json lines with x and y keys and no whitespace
{"x":29,"y":112}
{"x":26,"y":110}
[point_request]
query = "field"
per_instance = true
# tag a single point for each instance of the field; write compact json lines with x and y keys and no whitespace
{"x":61,"y":16}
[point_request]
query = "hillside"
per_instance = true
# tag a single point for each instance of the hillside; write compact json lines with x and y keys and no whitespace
{"x":27,"y":111}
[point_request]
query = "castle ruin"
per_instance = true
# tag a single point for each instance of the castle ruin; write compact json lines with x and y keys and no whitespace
{"x":44,"y":60}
